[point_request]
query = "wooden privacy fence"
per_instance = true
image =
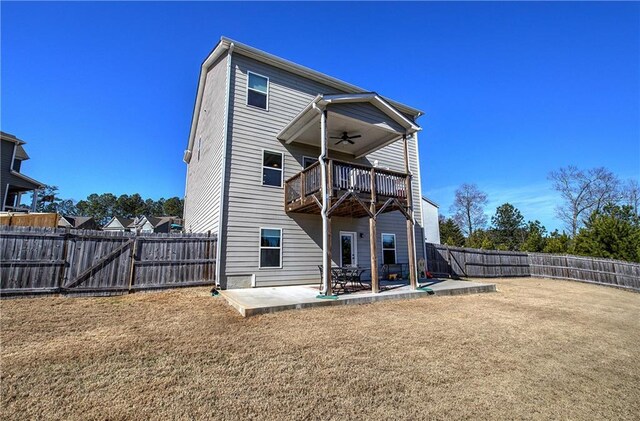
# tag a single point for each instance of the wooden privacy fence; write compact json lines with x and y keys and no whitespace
{"x":45,"y":260}
{"x":467,"y":262}
{"x":586,"y":269}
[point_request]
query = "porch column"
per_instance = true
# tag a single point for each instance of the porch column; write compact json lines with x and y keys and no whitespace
{"x":34,"y":200}
{"x":373,"y":249}
{"x":411,"y":240}
{"x":326,"y":220}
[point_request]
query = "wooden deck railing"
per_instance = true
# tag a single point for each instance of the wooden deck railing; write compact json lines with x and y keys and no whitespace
{"x":346,"y":176}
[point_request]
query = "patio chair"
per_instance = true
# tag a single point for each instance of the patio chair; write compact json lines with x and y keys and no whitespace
{"x":338,"y":279}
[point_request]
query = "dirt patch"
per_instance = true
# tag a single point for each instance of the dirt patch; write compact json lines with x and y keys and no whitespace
{"x":537,"y":349}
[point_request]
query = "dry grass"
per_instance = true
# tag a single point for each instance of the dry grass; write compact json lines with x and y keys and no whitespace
{"x":537,"y":349}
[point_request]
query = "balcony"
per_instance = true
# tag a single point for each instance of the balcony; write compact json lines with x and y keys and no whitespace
{"x":350,"y":192}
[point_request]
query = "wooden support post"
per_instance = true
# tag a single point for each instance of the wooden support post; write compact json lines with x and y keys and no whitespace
{"x":373,"y":249}
{"x":413,"y":270}
{"x":132,"y":268}
{"x":65,"y":256}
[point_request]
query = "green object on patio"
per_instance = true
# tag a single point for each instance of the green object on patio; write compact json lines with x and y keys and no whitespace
{"x":326,"y":297}
{"x":425,"y":289}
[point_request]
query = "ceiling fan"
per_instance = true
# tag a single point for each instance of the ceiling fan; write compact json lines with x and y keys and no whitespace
{"x":345,"y":138}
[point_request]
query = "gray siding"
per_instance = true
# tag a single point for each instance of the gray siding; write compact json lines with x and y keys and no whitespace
{"x":249,"y":205}
{"x":204,"y":172}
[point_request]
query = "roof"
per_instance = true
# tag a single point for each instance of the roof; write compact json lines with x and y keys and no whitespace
{"x":426,"y":199}
{"x":21,"y":154}
{"x":11,"y":138}
{"x":225,"y":44}
{"x":321,"y":101}
{"x":125,"y":222}
{"x":36,"y":183}
{"x":77,"y":221}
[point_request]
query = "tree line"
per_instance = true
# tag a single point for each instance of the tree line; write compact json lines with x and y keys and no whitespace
{"x":600,"y":213}
{"x":106,"y":205}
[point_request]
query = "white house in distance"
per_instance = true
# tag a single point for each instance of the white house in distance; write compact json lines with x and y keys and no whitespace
{"x":430,"y":221}
{"x":296,"y":171}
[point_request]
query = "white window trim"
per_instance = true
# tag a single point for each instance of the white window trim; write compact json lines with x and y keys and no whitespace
{"x":260,"y":248}
{"x":255,"y":90}
{"x":315,"y":158}
{"x":354,"y":246}
{"x":395,"y":246}
{"x":262,"y":167}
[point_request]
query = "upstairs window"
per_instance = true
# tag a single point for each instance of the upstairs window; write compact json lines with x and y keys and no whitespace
{"x":272,"y":169}
{"x":388,"y":249}
{"x":257,"y":90}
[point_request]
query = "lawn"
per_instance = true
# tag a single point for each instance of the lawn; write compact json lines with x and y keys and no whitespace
{"x":536,"y":349}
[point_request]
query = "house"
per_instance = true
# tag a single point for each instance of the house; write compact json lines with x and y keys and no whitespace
{"x":119,"y":224}
{"x":13,"y":183}
{"x":78,"y":222}
{"x":163,"y":224}
{"x":430,"y":221}
{"x":296,"y":171}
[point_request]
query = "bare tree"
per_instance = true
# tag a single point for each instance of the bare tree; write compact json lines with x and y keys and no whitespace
{"x":631,"y":195}
{"x":468,"y":208}
{"x":583,"y":192}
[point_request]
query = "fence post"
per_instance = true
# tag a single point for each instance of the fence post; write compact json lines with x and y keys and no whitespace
{"x":449,"y":262}
{"x":132,"y":266}
{"x":65,"y":254}
{"x":207,"y":248}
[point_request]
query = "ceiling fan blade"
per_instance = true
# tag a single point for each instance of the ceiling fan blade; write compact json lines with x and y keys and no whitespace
{"x":351,"y":141}
{"x":355,"y":137}
{"x":338,"y":142}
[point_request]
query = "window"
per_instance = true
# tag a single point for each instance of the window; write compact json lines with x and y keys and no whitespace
{"x":307,"y":161}
{"x":270,"y":247}
{"x":388,"y":249}
{"x":257,"y":90}
{"x":199,"y":145}
{"x":272,"y":169}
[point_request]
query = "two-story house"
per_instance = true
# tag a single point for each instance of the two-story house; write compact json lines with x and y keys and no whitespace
{"x":13,"y":183}
{"x":296,"y":171}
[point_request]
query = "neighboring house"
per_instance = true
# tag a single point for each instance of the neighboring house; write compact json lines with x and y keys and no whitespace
{"x":13,"y":184}
{"x":78,"y":222}
{"x":281,"y":163}
{"x":119,"y":224}
{"x":430,"y":221}
{"x":162,"y":224}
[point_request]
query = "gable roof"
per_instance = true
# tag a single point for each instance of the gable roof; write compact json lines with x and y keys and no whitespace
{"x":124,"y":222}
{"x":76,"y":221}
{"x":226,"y":44}
{"x":309,"y":114}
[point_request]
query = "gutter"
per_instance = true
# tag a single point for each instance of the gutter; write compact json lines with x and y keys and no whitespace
{"x":223,"y":182}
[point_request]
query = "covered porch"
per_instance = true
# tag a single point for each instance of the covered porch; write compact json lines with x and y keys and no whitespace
{"x":352,"y":126}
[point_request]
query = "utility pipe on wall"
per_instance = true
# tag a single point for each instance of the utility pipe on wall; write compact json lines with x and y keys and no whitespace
{"x":326,"y":263}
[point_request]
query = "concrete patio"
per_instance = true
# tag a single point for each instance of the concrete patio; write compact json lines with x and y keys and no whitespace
{"x":253,"y":301}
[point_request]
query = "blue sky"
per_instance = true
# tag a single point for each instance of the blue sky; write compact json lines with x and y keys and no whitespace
{"x":103,"y":92}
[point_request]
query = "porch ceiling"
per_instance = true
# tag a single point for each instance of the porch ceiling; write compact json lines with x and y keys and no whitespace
{"x":367,"y":115}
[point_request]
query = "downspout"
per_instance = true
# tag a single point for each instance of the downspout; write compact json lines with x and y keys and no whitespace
{"x":224,"y":166}
{"x":325,"y":196}
{"x":424,"y":237}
